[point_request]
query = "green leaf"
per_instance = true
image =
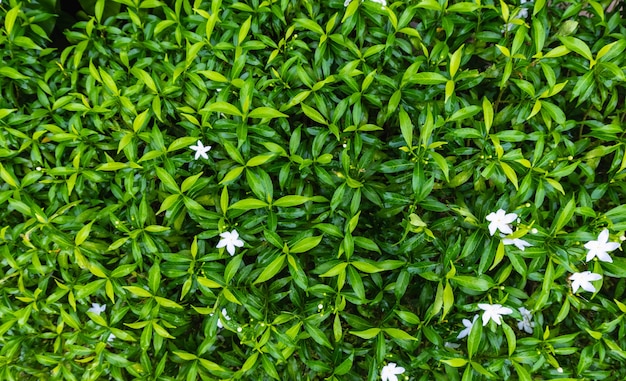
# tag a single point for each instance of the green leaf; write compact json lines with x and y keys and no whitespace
{"x":367,"y":334}
{"x":406,"y":126}
{"x":10,"y":17}
{"x":310,"y":25}
{"x":462,"y":7}
{"x":313,"y":114}
{"x":167,"y":180}
{"x":442,"y":163}
{"x":336,"y":270}
{"x":112,"y":166}
{"x":408,"y":317}
{"x":510,"y":173}
{"x":305,"y":244}
{"x":428,"y":79}
{"x":563,"y":216}
{"x":456,"y":362}
{"x":455,"y":58}
{"x":367,"y":244}
{"x":448,"y":300}
{"x":232,"y":175}
{"x":11,"y":73}
{"x":167,"y":303}
{"x":82,"y":234}
{"x":154,"y":277}
{"x":138,"y":291}
{"x":223,"y":107}
{"x":510,"y":338}
{"x":116,"y":360}
{"x":206,"y":282}
{"x":183,"y":142}
{"x":213,"y":76}
{"x":473,"y":283}
{"x":185,"y":356}
{"x":260,"y":159}
{"x":464,"y":113}
{"x":473,"y":340}
{"x":266,"y":112}
{"x":249,"y":204}
{"x":289,"y":201}
{"x":398,"y":334}
{"x":522,"y":373}
{"x":272,"y":269}
{"x":8,"y":177}
{"x":576,"y":45}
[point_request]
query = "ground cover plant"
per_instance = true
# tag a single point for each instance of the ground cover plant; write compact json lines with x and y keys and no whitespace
{"x":303,"y":190}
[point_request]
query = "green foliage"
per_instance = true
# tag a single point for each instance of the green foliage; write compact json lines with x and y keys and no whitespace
{"x":345,"y":214}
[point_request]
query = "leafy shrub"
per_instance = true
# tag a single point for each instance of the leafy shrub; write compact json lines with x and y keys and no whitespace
{"x":365,"y":164}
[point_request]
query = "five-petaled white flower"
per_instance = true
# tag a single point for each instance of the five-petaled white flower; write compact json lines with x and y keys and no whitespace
{"x":200,"y":150}
{"x":97,"y":308}
{"x":225,"y":315}
{"x":230,"y":240}
{"x":468,"y":327}
{"x":601,"y":247}
{"x":526,"y":324}
{"x":583,"y":280}
{"x":390,"y":371}
{"x":500,"y":220}
{"x":494,"y":312}
{"x":519,"y":243}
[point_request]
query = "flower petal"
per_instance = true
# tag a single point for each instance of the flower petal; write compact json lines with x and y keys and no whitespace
{"x":604,"y":257}
{"x":593,"y":276}
{"x":610,"y":246}
{"x":603,"y":237}
{"x":231,"y":249}
{"x":510,"y":218}
{"x":504,"y":311}
{"x":588,"y":287}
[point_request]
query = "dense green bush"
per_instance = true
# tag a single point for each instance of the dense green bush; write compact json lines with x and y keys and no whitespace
{"x":294,"y":190}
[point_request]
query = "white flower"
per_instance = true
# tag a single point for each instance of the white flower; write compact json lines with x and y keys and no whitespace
{"x":230,"y":240}
{"x":468,"y":327}
{"x":584,"y":280}
{"x":601,"y":247}
{"x":346,"y":3}
{"x":523,"y":12}
{"x":500,"y":220}
{"x":225,"y":315}
{"x":111,"y":338}
{"x":390,"y":371}
{"x":494,"y":312}
{"x":526,"y":324}
{"x":200,"y":150}
{"x":452,"y":345}
{"x":381,"y":2}
{"x":519,"y":243}
{"x":97,"y":308}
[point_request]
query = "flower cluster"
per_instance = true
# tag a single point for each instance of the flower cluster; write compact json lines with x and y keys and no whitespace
{"x":501,"y":220}
{"x":600,"y":249}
